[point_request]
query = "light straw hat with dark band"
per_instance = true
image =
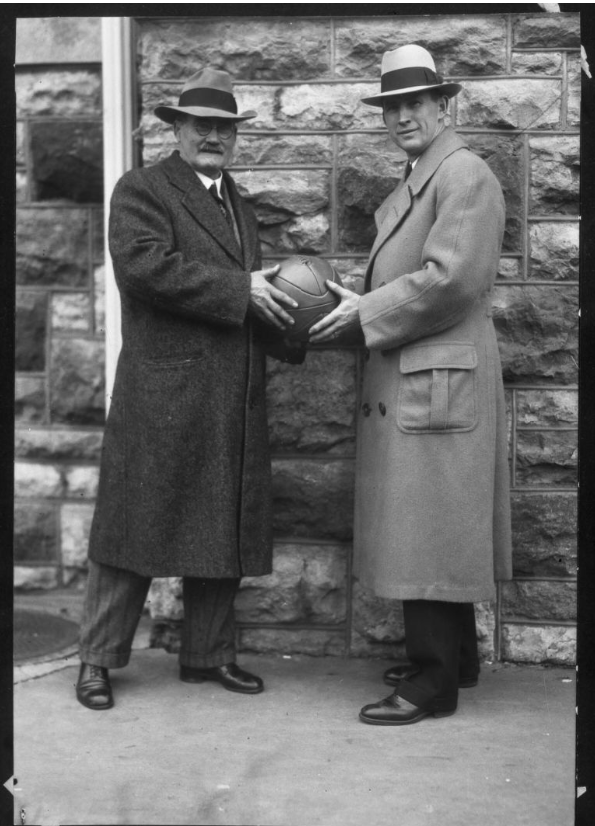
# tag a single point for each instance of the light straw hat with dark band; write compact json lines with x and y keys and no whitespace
{"x":409,"y":69}
{"x":208,"y":94}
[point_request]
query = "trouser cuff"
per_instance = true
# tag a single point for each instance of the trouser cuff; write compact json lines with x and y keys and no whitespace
{"x":421,"y":698}
{"x":103,"y":658}
{"x":221,"y":657}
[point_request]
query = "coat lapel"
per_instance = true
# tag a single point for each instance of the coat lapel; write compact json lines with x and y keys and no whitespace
{"x":248,"y":237}
{"x":390,"y":214}
{"x":445,"y":144}
{"x":395,"y":208}
{"x":201,"y":205}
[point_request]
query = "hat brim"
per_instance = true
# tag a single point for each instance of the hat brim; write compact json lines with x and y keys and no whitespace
{"x":170,"y":113}
{"x":449,"y":89}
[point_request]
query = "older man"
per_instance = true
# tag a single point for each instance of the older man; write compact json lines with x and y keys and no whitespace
{"x":184,"y":482}
{"x":432,"y":520}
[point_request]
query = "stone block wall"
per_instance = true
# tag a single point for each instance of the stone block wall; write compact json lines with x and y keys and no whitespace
{"x":60,"y":406}
{"x":315,"y":164}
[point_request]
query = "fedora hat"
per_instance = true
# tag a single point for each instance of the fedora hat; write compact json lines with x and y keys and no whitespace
{"x":208,"y":94}
{"x":409,"y":69}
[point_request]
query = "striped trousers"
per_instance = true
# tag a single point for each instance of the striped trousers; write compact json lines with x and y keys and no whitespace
{"x":114,"y":603}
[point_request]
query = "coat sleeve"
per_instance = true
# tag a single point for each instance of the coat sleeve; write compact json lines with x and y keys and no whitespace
{"x":150,"y":265}
{"x":467,"y":232}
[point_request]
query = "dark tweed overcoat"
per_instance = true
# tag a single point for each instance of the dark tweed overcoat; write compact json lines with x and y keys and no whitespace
{"x":432,"y":513}
{"x":185,"y":474}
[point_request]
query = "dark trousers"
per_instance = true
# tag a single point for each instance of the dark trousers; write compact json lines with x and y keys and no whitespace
{"x":114,"y":604}
{"x":441,"y":642}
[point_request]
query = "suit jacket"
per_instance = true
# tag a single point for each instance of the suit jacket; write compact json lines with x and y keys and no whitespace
{"x":432,"y":513}
{"x":185,"y":475}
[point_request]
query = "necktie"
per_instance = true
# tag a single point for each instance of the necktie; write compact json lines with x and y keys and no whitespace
{"x":221,"y":204}
{"x":408,"y":169}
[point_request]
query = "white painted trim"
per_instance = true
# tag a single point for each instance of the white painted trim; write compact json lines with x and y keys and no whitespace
{"x":118,"y":157}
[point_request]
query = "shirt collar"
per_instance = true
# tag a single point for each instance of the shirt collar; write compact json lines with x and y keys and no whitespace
{"x":209,"y":181}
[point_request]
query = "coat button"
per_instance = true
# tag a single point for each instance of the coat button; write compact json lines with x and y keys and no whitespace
{"x":366,"y":409}
{"x":367,"y":354}
{"x":382,"y":409}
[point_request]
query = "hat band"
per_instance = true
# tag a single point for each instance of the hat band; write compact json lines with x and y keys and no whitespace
{"x":409,"y":78}
{"x":210,"y":98}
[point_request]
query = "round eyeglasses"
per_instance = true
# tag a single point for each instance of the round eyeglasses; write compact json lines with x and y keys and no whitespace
{"x":205,"y":127}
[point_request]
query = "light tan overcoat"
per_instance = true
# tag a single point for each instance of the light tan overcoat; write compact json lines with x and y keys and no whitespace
{"x":432,"y":513}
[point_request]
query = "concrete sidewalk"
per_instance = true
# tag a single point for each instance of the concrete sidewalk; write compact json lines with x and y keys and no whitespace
{"x":173,"y":753}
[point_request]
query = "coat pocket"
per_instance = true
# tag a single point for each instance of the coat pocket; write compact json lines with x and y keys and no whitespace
{"x":438,"y":388}
{"x":169,"y":362}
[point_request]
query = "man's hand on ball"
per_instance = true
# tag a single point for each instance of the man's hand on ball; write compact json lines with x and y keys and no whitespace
{"x":264,"y":299}
{"x":343,"y":319}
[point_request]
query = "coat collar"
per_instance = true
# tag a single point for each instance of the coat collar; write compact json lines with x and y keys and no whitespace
{"x":441,"y":147}
{"x":200,"y":204}
{"x":390,"y":213}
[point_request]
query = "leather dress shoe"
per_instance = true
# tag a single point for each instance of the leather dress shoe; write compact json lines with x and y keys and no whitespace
{"x":93,"y":688}
{"x":231,"y":677}
{"x":395,"y":711}
{"x":403,"y":671}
